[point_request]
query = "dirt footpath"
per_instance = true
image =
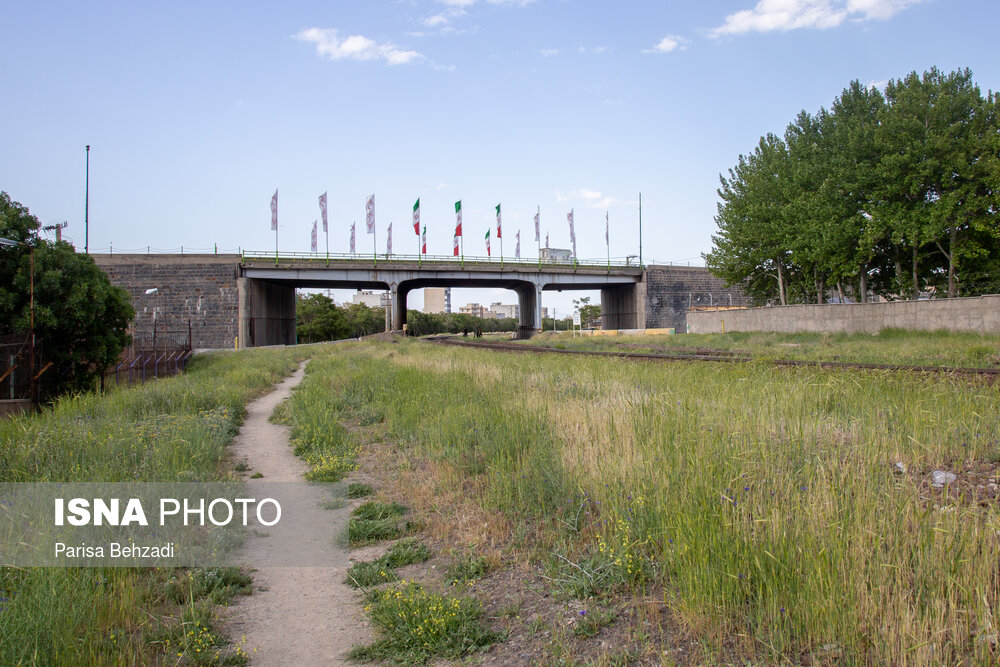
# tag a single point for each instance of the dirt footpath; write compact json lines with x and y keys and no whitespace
{"x":296,"y":615}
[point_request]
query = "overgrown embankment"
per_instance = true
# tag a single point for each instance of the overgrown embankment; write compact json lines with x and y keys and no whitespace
{"x":173,"y":429}
{"x":761,"y":508}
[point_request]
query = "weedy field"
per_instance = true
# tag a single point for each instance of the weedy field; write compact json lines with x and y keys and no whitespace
{"x":889,"y":346}
{"x":173,"y":429}
{"x":772,"y":514}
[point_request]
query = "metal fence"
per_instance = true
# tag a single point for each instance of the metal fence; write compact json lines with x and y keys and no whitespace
{"x":15,"y":367}
{"x":153,"y":354}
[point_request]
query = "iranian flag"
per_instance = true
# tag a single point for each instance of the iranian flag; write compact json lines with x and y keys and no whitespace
{"x":538,"y":230}
{"x":517,"y":248}
{"x":488,"y":243}
{"x":423,"y":241}
{"x":416,"y":217}
{"x":458,"y":218}
{"x":322,"y":210}
{"x":455,"y":247}
{"x":370,"y":214}
{"x":499,"y":235}
{"x":352,"y":236}
{"x":274,"y":210}
{"x":388,"y":241}
{"x":313,"y":246}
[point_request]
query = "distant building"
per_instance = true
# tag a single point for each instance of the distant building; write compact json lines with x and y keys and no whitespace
{"x":556,"y":255}
{"x":370,"y":298}
{"x":504,"y":310}
{"x":474,"y":309}
{"x":545,"y":312}
{"x":437,"y":300}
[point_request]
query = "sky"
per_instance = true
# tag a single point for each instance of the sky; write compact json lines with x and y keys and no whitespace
{"x":197,"y":112}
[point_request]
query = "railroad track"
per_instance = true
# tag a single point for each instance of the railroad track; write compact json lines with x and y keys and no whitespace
{"x":711,"y":355}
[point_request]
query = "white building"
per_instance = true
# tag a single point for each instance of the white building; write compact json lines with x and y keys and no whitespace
{"x":370,"y":298}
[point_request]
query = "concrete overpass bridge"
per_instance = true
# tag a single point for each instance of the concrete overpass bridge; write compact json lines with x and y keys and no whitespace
{"x":270,"y":283}
{"x":249,"y":299}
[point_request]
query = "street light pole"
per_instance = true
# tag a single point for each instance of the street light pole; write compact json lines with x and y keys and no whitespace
{"x":86,"y":208}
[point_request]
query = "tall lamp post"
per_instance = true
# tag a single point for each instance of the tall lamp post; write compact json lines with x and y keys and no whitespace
{"x":86,"y":209}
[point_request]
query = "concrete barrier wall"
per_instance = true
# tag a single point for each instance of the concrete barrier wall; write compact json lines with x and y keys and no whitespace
{"x":978,"y":314}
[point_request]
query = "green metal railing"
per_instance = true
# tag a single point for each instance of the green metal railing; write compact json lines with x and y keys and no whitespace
{"x":322,"y":258}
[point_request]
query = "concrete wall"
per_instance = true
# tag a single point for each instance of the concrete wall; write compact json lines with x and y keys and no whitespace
{"x":979,"y":314}
{"x":201,"y":289}
{"x":623,"y":307}
{"x":267,"y":313}
{"x":672,"y":290}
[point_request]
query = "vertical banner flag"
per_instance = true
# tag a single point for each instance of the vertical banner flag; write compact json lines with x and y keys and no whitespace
{"x":572,"y":233}
{"x":607,"y":241}
{"x":546,"y":240}
{"x":499,"y":235}
{"x":455,"y":247}
{"x":458,"y":218}
{"x":274,"y":210}
{"x":416,"y":217}
{"x":388,"y":241}
{"x":517,"y":248}
{"x":370,"y":214}
{"x":538,"y":231}
{"x":423,"y":241}
{"x":313,"y":246}
{"x":322,"y":211}
{"x":352,"y":236}
{"x":488,"y":243}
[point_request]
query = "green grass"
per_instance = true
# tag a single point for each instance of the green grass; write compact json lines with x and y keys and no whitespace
{"x":173,"y":429}
{"x":761,"y":501}
{"x":415,"y":625}
{"x":382,"y":570}
{"x":469,"y":567}
{"x":359,"y":490}
{"x":889,"y":346}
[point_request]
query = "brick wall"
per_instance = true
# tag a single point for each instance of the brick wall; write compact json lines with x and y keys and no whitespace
{"x":672,"y":290}
{"x":200,"y":289}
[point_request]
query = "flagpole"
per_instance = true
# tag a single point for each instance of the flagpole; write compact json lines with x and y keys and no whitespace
{"x":607,"y":239}
{"x":640,"y":230}
{"x":538,"y":234}
{"x":327,"y":232}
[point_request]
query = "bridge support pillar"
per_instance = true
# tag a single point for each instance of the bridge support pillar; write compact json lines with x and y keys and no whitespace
{"x":623,"y":307}
{"x":529,"y":305}
{"x":397,"y":305}
{"x":266,"y":313}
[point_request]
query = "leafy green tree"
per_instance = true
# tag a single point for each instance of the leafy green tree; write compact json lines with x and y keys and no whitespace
{"x":319,"y":319}
{"x":751,"y":246}
{"x":81,"y":320}
{"x":893,"y":194}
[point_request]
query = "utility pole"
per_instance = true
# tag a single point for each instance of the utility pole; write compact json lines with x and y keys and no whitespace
{"x":86,"y":208}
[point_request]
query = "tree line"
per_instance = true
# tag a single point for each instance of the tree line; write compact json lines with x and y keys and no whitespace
{"x":320,"y":319}
{"x":892,"y":194}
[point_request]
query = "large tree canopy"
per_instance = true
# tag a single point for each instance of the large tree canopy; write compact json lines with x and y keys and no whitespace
{"x":894,"y":195}
{"x":81,"y":319}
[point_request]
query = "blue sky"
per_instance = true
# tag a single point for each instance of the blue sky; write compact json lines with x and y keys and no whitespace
{"x":196,"y":112}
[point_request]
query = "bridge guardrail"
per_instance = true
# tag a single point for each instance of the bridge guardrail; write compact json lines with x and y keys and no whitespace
{"x":451,"y":260}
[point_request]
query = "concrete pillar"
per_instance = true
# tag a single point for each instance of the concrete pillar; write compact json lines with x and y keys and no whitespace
{"x":529,"y":301}
{"x":398,"y":294}
{"x":623,"y":307}
{"x":267,"y":313}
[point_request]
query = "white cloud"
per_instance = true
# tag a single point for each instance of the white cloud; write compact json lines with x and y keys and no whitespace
{"x":667,"y":44}
{"x":435,"y":21}
{"x":601,"y":49}
{"x":590,"y":198}
{"x":549,"y":52}
{"x":356,"y":47}
{"x":785,"y":15}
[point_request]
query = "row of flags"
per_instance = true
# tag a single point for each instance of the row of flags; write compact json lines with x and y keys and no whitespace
{"x":370,"y":227}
